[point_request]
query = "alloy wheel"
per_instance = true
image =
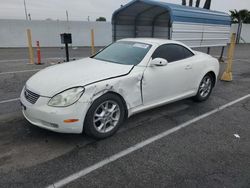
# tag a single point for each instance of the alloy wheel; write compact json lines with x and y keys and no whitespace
{"x":205,"y":87}
{"x":106,"y":116}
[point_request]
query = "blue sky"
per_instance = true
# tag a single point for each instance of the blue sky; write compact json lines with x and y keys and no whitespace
{"x":81,"y":9}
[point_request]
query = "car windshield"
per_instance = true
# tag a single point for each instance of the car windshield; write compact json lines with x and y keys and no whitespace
{"x":124,"y":52}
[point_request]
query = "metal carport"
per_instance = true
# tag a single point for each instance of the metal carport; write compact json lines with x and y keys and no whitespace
{"x":194,"y":26}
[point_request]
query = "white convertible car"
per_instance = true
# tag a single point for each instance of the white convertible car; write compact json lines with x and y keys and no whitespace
{"x":95,"y":95}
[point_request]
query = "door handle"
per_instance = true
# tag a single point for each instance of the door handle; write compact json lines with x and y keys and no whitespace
{"x":188,"y":67}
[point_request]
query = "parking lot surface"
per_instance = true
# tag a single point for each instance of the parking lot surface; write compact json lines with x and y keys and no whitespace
{"x":210,"y":152}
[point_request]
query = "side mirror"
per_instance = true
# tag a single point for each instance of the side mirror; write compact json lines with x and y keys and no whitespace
{"x":159,"y":62}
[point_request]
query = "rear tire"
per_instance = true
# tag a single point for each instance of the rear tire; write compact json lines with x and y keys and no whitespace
{"x":104,"y":117}
{"x":205,"y":88}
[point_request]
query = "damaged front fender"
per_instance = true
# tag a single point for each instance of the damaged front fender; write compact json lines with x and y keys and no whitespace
{"x":128,"y":87}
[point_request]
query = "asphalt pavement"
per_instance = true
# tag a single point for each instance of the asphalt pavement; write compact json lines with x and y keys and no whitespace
{"x":210,"y":152}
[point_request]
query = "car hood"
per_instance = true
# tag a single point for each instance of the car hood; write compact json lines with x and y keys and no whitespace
{"x":55,"y":79}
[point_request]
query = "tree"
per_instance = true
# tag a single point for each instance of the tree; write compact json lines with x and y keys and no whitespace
{"x":240,"y":16}
{"x":248,"y":18}
{"x":207,"y":4}
{"x":101,"y":19}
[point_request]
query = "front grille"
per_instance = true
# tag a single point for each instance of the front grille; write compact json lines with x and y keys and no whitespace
{"x":30,"y":96}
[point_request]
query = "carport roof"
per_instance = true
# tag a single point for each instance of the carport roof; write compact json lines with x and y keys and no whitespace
{"x":178,"y":13}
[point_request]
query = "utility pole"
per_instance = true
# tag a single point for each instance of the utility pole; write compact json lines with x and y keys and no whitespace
{"x":67,"y":15}
{"x":25,"y":9}
{"x":29,"y":15}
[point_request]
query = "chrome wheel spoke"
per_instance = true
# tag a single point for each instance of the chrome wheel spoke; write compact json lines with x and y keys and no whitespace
{"x":115,"y":112}
{"x":114,"y":119}
{"x":208,"y":81}
{"x":112,"y":109}
{"x":100,"y":115}
{"x":110,"y":123}
{"x":98,"y":119}
{"x":104,"y":127}
{"x":202,"y":93}
{"x":101,"y":126}
{"x":104,"y":106}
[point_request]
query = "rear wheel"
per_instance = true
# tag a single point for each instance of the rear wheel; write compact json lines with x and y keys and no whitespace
{"x":104,"y":116}
{"x":205,"y":88}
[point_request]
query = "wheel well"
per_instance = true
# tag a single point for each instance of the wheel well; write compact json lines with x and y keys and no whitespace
{"x":213,"y":76}
{"x":123,"y":102}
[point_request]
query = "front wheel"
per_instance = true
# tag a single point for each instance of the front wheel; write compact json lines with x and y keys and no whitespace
{"x":205,"y":89}
{"x":104,"y":117}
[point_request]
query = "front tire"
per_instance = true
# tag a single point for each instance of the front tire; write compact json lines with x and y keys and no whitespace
{"x":205,"y":88}
{"x":105,"y":116}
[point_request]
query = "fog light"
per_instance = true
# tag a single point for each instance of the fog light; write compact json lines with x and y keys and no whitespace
{"x":54,"y":125}
{"x":48,"y":124}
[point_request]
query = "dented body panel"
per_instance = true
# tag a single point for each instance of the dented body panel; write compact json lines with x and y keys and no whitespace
{"x":128,"y":86}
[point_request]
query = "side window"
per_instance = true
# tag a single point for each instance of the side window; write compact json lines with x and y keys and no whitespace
{"x":172,"y":52}
{"x":186,"y":53}
{"x":161,"y":52}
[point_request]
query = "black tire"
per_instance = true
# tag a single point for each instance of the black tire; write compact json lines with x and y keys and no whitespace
{"x":200,"y":96}
{"x":91,"y":128}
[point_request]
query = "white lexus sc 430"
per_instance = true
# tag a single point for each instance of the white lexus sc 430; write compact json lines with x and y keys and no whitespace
{"x":96,"y":94}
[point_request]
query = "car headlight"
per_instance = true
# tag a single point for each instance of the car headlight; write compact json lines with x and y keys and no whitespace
{"x":66,"y":98}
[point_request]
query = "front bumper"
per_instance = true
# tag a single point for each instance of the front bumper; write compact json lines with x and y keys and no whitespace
{"x":52,"y":118}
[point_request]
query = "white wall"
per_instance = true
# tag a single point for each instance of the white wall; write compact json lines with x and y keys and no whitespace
{"x":13,"y":32}
{"x":245,"y":32}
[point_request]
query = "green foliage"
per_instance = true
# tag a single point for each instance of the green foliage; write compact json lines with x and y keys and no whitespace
{"x":240,"y":16}
{"x":101,"y":19}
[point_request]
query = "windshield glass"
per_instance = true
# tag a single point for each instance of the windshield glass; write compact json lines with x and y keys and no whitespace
{"x":124,"y":52}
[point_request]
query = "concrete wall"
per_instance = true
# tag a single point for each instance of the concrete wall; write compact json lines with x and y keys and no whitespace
{"x":245,"y":32}
{"x":13,"y":32}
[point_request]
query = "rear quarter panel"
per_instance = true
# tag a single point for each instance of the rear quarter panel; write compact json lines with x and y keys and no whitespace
{"x":203,"y":64}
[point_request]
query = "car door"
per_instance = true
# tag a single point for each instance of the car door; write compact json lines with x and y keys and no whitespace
{"x":170,"y":82}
